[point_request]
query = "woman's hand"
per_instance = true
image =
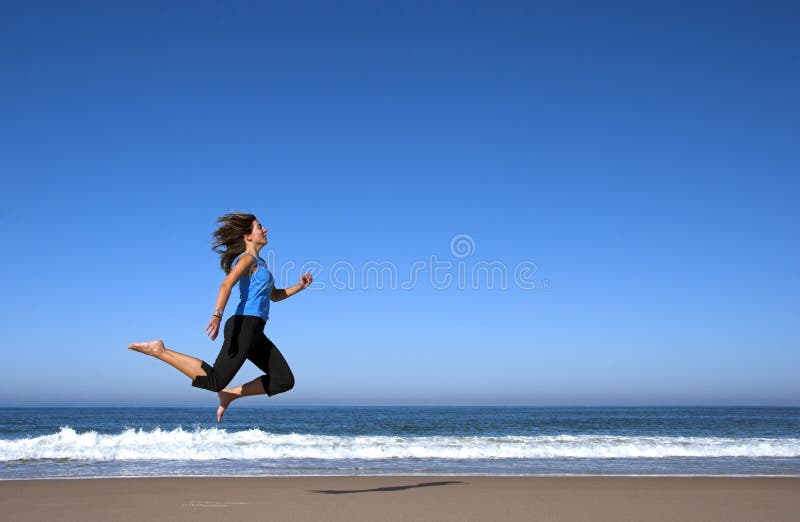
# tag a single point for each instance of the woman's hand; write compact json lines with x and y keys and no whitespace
{"x":213,"y":327}
{"x":306,"y":280}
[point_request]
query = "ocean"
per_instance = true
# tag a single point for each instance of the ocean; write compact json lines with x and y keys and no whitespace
{"x":339,"y":440}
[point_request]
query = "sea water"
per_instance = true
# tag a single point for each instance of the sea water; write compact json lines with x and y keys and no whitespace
{"x":284,"y":440}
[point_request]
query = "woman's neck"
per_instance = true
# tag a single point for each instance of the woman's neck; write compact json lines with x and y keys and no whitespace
{"x":252,"y":250}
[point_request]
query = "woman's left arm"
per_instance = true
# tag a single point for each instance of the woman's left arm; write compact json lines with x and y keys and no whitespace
{"x":279,"y":294}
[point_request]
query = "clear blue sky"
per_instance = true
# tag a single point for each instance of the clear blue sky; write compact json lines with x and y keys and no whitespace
{"x":643,"y":155}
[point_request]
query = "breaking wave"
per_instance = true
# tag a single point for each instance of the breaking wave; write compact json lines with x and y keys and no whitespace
{"x":215,"y":444}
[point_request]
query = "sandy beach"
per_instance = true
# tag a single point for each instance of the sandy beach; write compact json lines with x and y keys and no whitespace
{"x":403,"y":498}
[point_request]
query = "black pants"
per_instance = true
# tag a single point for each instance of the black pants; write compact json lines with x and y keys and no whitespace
{"x":245,"y":339}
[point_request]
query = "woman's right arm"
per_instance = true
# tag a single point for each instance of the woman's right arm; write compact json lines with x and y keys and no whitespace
{"x":236,"y":273}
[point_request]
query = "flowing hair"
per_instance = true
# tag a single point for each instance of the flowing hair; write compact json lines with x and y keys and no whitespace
{"x":229,"y":237}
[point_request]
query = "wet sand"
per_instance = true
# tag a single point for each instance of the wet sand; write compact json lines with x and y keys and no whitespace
{"x":403,"y":498}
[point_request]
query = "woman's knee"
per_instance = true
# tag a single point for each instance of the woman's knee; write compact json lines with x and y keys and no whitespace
{"x":205,"y":383}
{"x":218,"y":387}
{"x":274,"y":385}
{"x":213,"y":380}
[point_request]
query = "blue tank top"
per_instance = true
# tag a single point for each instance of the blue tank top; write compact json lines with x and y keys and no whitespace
{"x":254,"y":291}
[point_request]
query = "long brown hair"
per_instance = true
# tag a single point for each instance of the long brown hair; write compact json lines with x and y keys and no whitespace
{"x":229,"y":237}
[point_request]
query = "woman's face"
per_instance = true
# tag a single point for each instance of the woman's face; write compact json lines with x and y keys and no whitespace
{"x":258,"y":235}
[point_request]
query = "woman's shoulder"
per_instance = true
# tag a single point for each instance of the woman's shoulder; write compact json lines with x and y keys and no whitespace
{"x":248,"y":258}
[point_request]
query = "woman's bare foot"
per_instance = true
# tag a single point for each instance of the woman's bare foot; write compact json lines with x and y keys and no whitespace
{"x":153,"y":348}
{"x":225,"y":398}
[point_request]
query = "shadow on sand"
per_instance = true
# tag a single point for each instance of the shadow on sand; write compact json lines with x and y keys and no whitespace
{"x":387,"y":488}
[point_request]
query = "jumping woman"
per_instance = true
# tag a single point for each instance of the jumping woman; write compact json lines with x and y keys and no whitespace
{"x":238,"y":241}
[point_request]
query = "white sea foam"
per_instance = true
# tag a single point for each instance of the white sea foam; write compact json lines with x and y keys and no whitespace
{"x":213,"y":444}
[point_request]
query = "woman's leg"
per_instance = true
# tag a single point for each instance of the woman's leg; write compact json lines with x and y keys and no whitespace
{"x":278,"y":376}
{"x":241,"y":333}
{"x":191,"y":367}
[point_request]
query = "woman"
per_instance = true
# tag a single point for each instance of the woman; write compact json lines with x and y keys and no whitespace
{"x":238,"y":241}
